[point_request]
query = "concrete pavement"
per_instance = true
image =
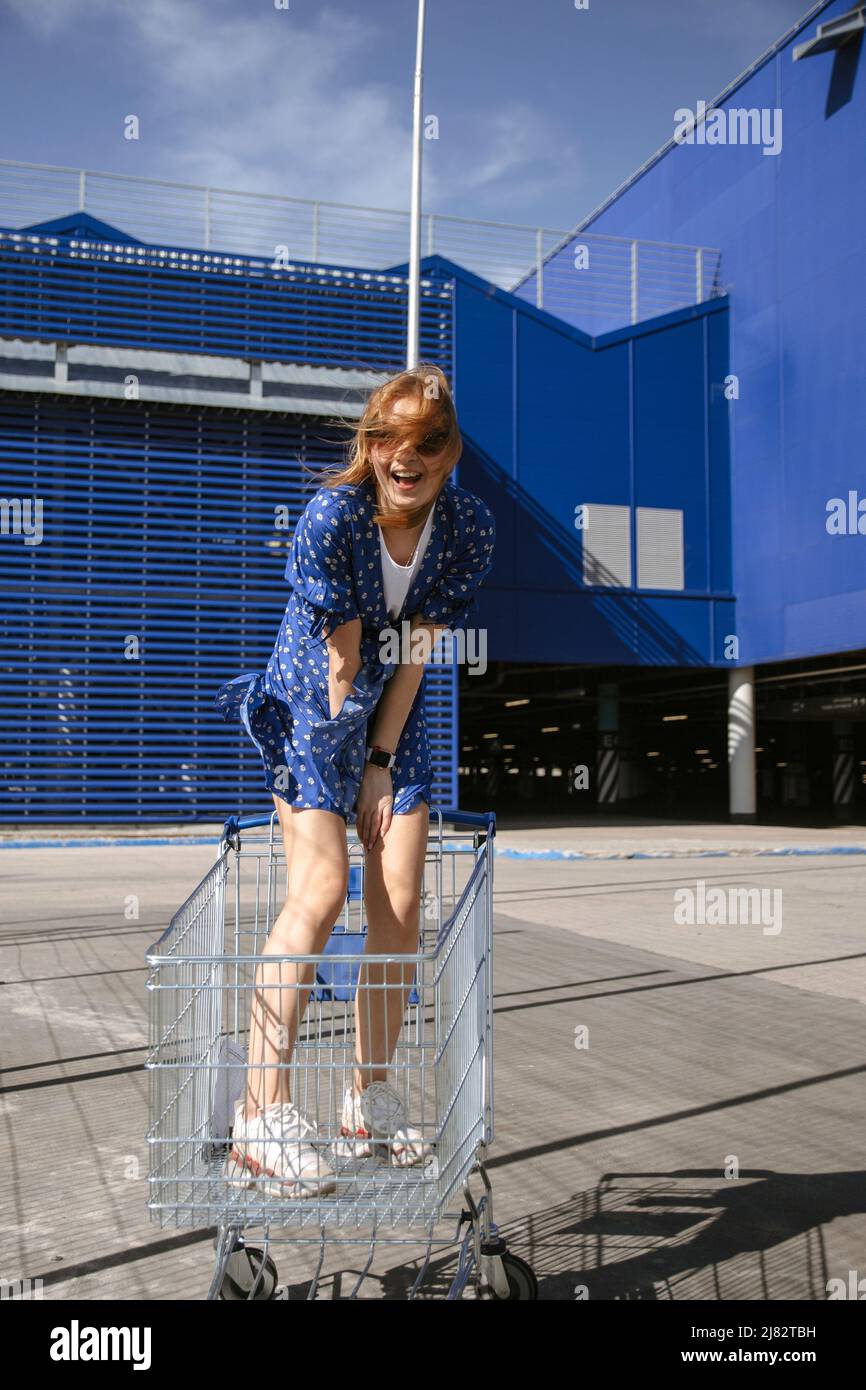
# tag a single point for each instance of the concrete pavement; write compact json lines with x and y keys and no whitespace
{"x":637,"y":1061}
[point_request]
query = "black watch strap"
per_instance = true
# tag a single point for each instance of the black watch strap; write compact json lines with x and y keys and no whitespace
{"x":380,"y":757}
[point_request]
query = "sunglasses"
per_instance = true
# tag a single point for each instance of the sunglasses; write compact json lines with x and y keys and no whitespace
{"x":428,"y":447}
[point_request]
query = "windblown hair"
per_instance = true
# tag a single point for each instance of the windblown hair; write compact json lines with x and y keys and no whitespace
{"x":434,"y":413}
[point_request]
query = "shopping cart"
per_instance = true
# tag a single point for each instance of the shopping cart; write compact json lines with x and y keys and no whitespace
{"x":202,"y":983}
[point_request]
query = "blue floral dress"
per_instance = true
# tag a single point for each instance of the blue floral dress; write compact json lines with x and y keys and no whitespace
{"x":335,"y":573}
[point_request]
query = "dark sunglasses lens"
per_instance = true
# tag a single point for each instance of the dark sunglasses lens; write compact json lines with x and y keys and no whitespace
{"x":427,"y":447}
{"x":433,"y":444}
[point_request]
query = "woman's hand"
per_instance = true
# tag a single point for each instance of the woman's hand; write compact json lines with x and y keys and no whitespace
{"x":374,"y":805}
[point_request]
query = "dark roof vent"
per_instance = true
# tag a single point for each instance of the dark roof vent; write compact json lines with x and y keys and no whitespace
{"x":834,"y":34}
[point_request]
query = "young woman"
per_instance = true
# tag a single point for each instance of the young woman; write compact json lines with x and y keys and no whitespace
{"x":342,"y":733}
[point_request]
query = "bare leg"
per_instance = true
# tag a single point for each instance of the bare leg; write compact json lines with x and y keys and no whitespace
{"x":393,"y":877}
{"x":318,"y":870}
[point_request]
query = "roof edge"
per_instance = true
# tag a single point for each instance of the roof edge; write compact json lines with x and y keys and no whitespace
{"x":568,"y":330}
{"x":669,"y":144}
{"x":81,"y":225}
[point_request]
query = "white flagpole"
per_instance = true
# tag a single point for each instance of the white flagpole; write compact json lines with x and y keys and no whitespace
{"x":415,"y":219}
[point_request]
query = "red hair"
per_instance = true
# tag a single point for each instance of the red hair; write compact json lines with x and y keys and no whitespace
{"x":434,"y":413}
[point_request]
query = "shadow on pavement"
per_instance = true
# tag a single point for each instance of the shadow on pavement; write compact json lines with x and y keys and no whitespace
{"x":689,"y":1235}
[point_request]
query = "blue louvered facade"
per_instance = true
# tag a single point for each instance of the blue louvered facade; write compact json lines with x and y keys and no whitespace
{"x":165,"y":527}
{"x":79,"y":290}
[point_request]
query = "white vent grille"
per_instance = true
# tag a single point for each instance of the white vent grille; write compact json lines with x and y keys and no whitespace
{"x":660,"y":548}
{"x":607,"y":545}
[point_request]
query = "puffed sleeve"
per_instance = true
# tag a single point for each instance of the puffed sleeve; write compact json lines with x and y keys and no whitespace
{"x":452,"y":599}
{"x":319,"y":567}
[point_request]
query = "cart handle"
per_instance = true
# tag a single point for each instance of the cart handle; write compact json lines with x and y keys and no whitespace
{"x":486,"y":819}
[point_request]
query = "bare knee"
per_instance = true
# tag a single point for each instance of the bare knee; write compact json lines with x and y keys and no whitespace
{"x":318,"y":872}
{"x":395,"y":919}
{"x":311,"y":910}
{"x":321,"y":902}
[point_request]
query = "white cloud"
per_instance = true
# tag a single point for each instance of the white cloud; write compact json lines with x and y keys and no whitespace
{"x":279,"y":102}
{"x":253,"y":102}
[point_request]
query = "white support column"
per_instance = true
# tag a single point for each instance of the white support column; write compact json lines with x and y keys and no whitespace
{"x":256,"y":380}
{"x":607,"y":760}
{"x":61,"y":363}
{"x":741,"y":743}
{"x":844,"y":768}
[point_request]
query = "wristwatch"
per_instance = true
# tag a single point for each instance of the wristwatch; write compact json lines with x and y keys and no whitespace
{"x":380,"y":757}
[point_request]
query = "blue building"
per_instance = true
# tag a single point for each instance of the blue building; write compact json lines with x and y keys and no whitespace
{"x":790,"y":228}
{"x":665,"y":413}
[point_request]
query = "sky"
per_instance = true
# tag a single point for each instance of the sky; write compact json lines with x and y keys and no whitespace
{"x":541,"y":109}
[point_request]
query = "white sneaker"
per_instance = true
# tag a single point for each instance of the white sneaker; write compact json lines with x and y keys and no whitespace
{"x":378,"y":1115}
{"x":279,"y":1152}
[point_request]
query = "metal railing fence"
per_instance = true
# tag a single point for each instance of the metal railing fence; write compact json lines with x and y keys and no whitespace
{"x":594,"y":282}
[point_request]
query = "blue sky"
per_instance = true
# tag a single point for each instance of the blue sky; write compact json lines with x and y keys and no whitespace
{"x":542,"y":109}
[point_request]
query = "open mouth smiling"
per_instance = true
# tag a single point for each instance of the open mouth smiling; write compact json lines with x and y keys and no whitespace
{"x":405,"y":479}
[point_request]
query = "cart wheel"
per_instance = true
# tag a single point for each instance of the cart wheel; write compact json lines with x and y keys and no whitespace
{"x":241,"y":1273}
{"x":522,"y":1283}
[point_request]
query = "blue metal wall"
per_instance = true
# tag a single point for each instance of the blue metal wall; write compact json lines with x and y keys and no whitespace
{"x":792,"y":232}
{"x":160,"y":574}
{"x":90,"y":290}
{"x":553,"y":419}
{"x":160,"y":540}
{"x":159,"y":523}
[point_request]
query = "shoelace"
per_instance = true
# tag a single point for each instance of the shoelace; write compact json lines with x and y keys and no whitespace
{"x":393,"y":1103}
{"x":286,"y":1110}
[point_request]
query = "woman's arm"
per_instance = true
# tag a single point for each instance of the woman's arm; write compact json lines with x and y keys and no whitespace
{"x":446,"y":607}
{"x":376,"y":797}
{"x":344,"y":662}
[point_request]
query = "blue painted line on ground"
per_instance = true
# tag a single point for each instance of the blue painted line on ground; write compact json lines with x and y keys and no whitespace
{"x":548,"y":855}
{"x":107,"y":844}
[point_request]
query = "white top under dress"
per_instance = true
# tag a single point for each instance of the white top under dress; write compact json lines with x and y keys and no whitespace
{"x":397,"y":579}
